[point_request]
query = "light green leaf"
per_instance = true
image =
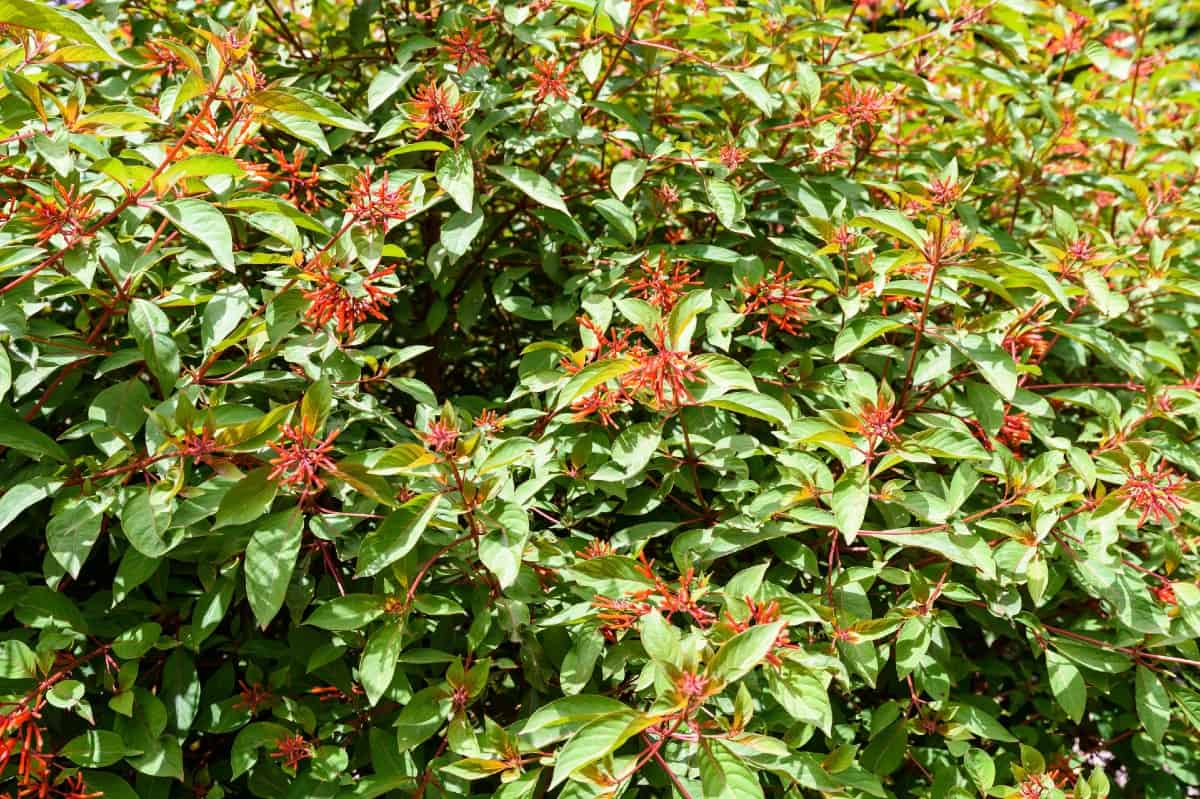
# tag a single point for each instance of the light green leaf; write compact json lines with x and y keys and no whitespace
{"x":455,"y":173}
{"x":152,"y":332}
{"x":625,"y":177}
{"x":534,"y":185}
{"x":860,"y":331}
{"x":378,"y":663}
{"x":851,"y":495}
{"x":892,"y":223}
{"x":205,"y":224}
{"x":348,"y":612}
{"x":739,"y":655}
{"x":397,"y":534}
{"x":270,"y":560}
{"x":754,"y":90}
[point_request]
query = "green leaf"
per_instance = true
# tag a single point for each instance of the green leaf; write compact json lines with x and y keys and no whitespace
{"x":851,"y":495}
{"x":316,"y":404}
{"x":460,"y":230}
{"x":378,"y":663}
{"x":397,"y":534}
{"x":59,"y":21}
{"x":95,"y":749}
{"x":681,"y":324}
{"x":510,"y":451}
{"x":619,"y":216}
{"x":726,"y":203}
{"x":17,"y":661}
{"x":205,"y":224}
{"x":145,"y":519}
{"x":348,"y":612}
{"x":992,"y":360}
{"x":724,"y":775}
{"x":739,"y":655}
{"x":534,"y":186}
{"x":660,"y":639}
{"x":72,"y":533}
{"x":251,"y":738}
{"x":980,"y":768}
{"x":16,"y":434}
{"x":455,"y":173}
{"x":23,"y":496}
{"x":307,"y":105}
{"x":860,"y":331}
{"x":248,"y":499}
{"x":749,"y":403}
{"x":982,"y":723}
{"x":892,"y":223}
{"x":1153,"y":704}
{"x":202,"y":165}
{"x":626,"y":176}
{"x":222,"y":314}
{"x":1067,"y":684}
{"x":270,"y":560}
{"x":422,"y":716}
{"x":180,"y":690}
{"x":152,"y":332}
{"x":590,"y":377}
{"x":595,"y":740}
{"x":501,"y":551}
{"x":389,"y":80}
{"x":754,"y":91}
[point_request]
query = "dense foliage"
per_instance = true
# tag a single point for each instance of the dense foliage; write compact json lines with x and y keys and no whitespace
{"x":587,"y":398}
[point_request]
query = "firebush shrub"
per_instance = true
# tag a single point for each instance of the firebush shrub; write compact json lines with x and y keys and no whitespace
{"x":597,"y":398}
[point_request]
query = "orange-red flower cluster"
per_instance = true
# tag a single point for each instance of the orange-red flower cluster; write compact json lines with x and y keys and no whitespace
{"x":330,"y":300}
{"x":782,"y":301}
{"x":1155,"y":494}
{"x":67,"y":212}
{"x":662,"y":286}
{"x":435,"y":111}
{"x":301,"y":458}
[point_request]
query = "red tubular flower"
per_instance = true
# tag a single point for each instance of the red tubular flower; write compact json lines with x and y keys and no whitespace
{"x":441,"y":437}
{"x":731,"y":157}
{"x":1072,"y":39}
{"x":863,"y":106}
{"x":489,"y":423}
{"x":878,"y":422}
{"x":253,"y":697}
{"x":378,"y":204}
{"x":1015,"y":430}
{"x":301,"y":186}
{"x":618,"y":615}
{"x":1165,"y":594}
{"x":167,"y":60}
{"x":780,"y":299}
{"x":602,"y":401}
{"x":664,"y":374}
{"x":667,"y":195}
{"x":1155,"y":494}
{"x":300,"y":461}
{"x":596,"y":548}
{"x":68,"y":213}
{"x":330,"y":300}
{"x":292,"y":750}
{"x":466,"y":48}
{"x":1031,"y":340}
{"x":550,"y":81}
{"x":198,"y":446}
{"x":660,"y":286}
{"x":944,"y":192}
{"x":434,"y":110}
